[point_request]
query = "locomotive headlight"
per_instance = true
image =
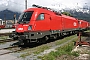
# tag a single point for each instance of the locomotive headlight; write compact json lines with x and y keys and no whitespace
{"x":30,"y":27}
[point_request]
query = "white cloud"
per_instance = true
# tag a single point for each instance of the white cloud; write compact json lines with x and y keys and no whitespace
{"x":19,"y":5}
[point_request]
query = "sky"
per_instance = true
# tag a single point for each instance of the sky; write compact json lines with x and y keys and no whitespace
{"x":19,"y":5}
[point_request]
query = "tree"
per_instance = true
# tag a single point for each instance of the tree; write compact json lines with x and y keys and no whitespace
{"x":66,"y":13}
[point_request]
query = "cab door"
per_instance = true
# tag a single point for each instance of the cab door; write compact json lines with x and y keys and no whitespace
{"x":42,"y":22}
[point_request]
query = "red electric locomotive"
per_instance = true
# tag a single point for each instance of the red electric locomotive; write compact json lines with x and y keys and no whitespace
{"x":88,"y":25}
{"x":69,"y":23}
{"x":42,"y":23}
{"x":83,"y":25}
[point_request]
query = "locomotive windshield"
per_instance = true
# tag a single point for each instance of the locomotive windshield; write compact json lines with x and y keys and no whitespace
{"x":25,"y":17}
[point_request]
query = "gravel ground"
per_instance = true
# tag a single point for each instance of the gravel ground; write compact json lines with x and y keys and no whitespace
{"x":6,"y":30}
{"x":7,"y":44}
{"x":84,"y":52}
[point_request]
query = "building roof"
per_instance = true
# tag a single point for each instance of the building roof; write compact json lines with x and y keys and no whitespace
{"x":0,"y":19}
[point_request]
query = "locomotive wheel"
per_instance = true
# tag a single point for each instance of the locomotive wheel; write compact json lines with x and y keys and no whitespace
{"x":62,"y":35}
{"x":44,"y":39}
{"x":68,"y":33}
{"x":73,"y":32}
{"x":55,"y":36}
{"x":58,"y":36}
{"x":20,"y":42}
{"x":26,"y":42}
{"x":15,"y":38}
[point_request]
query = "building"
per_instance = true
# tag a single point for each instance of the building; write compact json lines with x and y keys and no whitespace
{"x":1,"y":22}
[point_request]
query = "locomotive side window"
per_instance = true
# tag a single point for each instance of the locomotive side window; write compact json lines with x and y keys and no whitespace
{"x":26,"y":16}
{"x":41,"y":17}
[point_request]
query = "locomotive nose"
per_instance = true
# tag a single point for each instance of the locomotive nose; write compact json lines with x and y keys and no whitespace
{"x":22,"y":28}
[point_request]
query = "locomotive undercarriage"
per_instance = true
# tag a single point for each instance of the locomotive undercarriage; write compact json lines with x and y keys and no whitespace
{"x":40,"y":37}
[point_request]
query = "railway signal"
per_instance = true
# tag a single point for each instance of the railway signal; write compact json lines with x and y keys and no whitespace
{"x":14,"y":18}
{"x":80,"y":42}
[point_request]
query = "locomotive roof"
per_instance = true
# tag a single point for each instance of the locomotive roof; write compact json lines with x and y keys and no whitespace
{"x":49,"y":12}
{"x":39,"y":9}
{"x":83,"y":20}
{"x":69,"y":17}
{"x":0,"y":19}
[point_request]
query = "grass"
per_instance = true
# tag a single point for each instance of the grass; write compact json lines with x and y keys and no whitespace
{"x":89,"y":52}
{"x":75,"y":53}
{"x":4,"y":37}
{"x":87,"y":31}
{"x":35,"y":50}
{"x":64,"y":50}
{"x":41,"y":49}
{"x":64,"y":40}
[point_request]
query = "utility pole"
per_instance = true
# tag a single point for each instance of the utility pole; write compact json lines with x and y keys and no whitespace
{"x":5,"y":18}
{"x":25,"y":4}
{"x":14,"y":18}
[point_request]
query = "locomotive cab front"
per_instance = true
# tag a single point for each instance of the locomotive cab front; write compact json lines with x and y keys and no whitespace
{"x":23,"y":25}
{"x":32,"y":24}
{"x":24,"y":22}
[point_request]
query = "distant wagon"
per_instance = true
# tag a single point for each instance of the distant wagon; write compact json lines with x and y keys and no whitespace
{"x":1,"y":24}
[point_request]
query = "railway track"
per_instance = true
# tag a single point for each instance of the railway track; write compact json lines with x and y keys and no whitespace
{"x":4,"y":34}
{"x":11,"y":49}
{"x":7,"y":40}
{"x":8,"y":47}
